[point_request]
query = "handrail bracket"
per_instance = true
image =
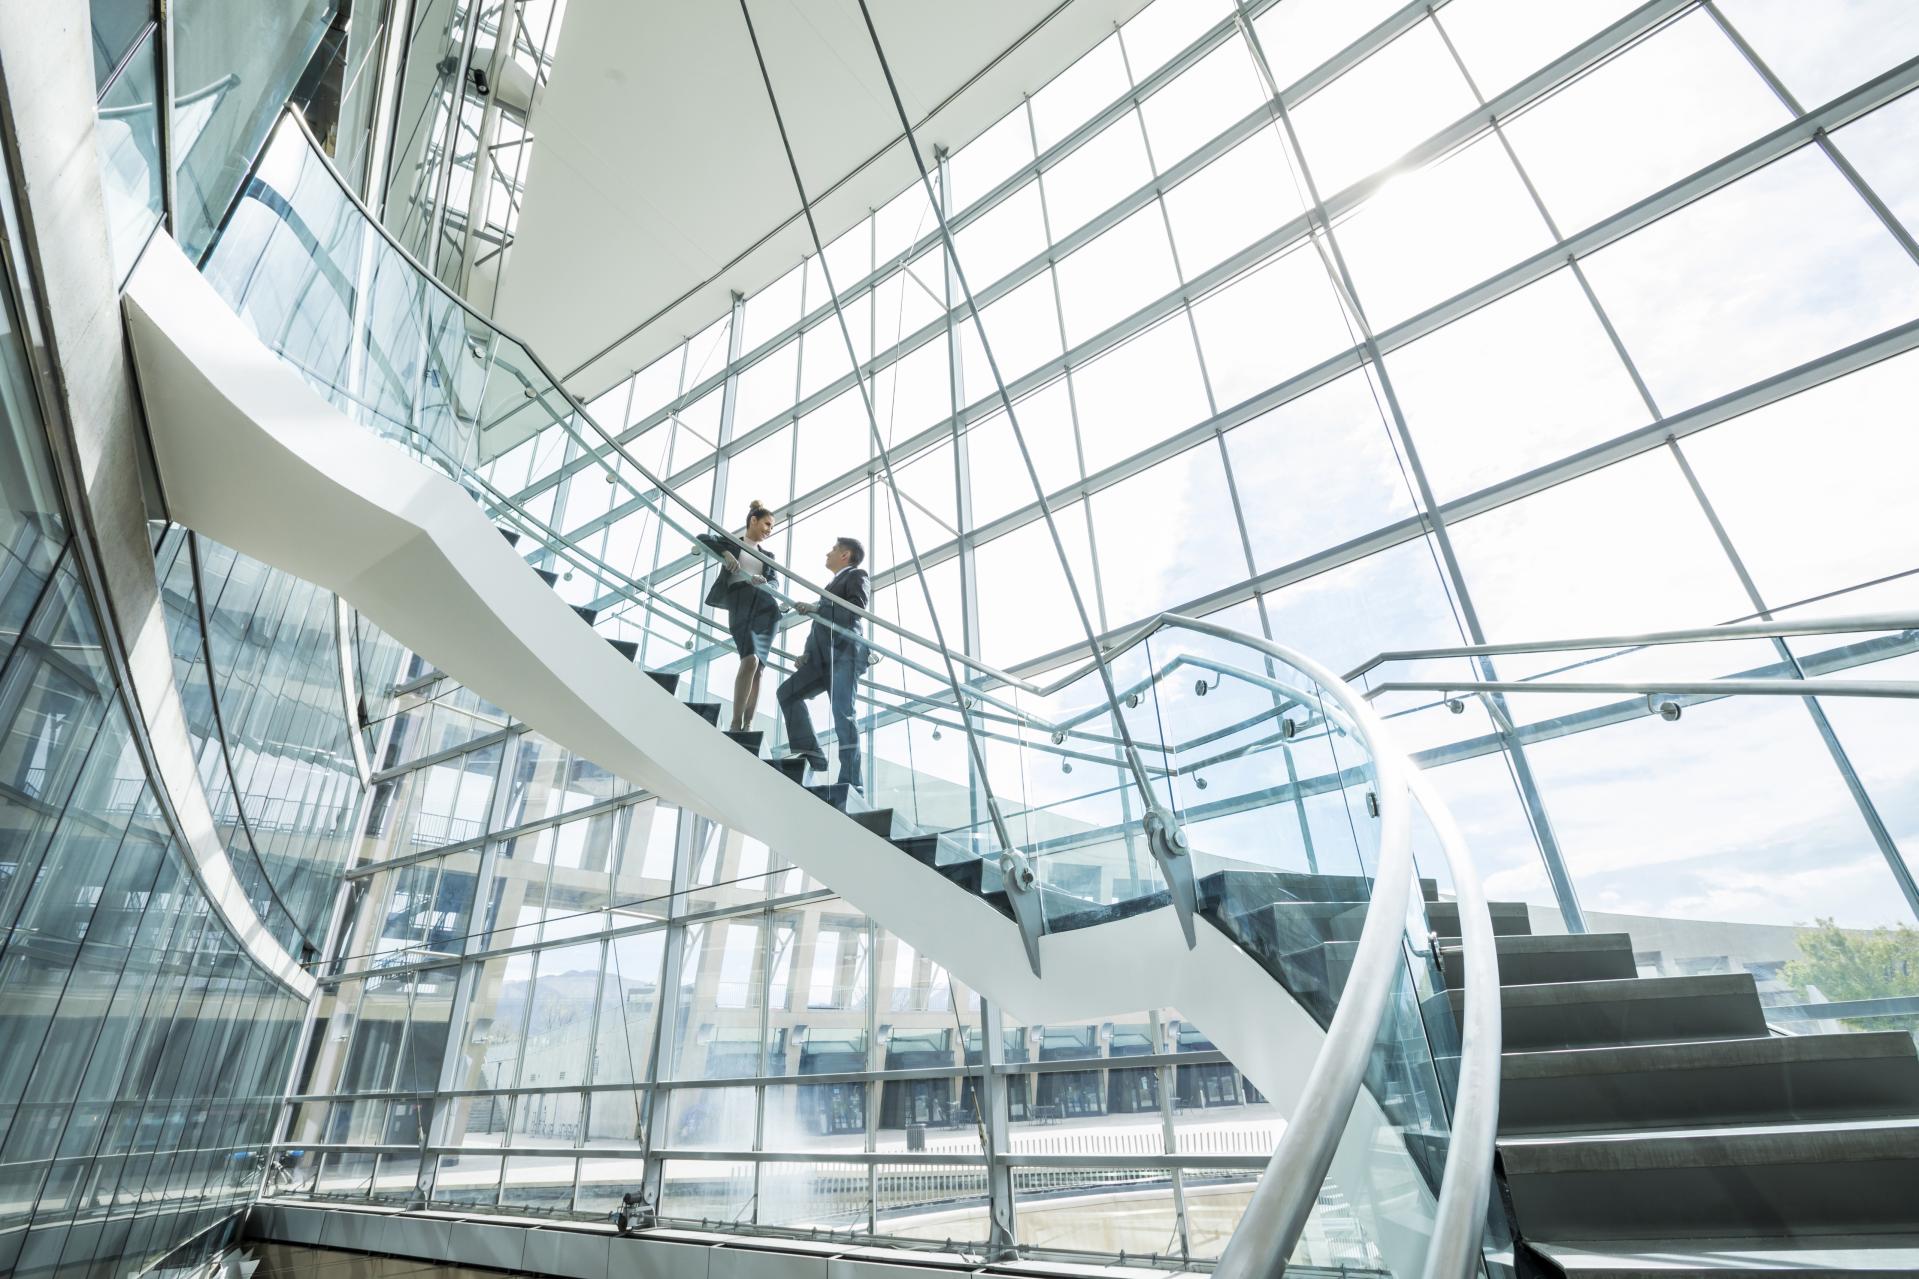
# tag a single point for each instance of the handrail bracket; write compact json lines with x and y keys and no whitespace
{"x":1168,"y":844}
{"x":1022,"y":892}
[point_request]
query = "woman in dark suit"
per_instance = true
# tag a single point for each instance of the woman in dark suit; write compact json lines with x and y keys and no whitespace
{"x":751,"y":613}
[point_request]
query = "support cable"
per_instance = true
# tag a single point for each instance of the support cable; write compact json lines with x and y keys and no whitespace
{"x":1168,"y":842}
{"x":1021,"y":882}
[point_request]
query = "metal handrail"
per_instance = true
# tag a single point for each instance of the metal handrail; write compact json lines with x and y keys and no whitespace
{"x":658,"y":487}
{"x":1285,"y":1195}
{"x":1648,"y":639}
{"x":1675,"y":688}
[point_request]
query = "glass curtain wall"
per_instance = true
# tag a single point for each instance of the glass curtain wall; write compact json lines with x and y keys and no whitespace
{"x":1381,"y":326}
{"x":145,"y":1054}
{"x":547,"y":980}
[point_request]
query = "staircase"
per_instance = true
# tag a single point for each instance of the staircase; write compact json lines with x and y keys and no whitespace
{"x":1648,"y":1122}
{"x":1653,"y":1126}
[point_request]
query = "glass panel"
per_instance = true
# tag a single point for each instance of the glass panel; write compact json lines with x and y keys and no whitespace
{"x":1821,"y":59}
{"x":1502,"y":41}
{"x":1138,"y":394}
{"x":129,"y":144}
{"x":1376,"y":112}
{"x":1527,"y":380}
{"x":1810,"y":489}
{"x":1746,"y":282}
{"x":1876,"y":147}
{"x":1473,"y":203}
{"x":1658,"y":111}
{"x":1125,"y":268}
{"x":1243,"y":195}
{"x":1277,"y":320}
{"x":234,"y":64}
{"x":1337,"y":435}
{"x":1192,"y":110}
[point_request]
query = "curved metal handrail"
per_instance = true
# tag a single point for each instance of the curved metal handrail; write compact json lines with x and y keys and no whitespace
{"x":1284,"y":1198}
{"x":659,"y":489}
{"x":1646,"y":639}
{"x":1286,"y":1194}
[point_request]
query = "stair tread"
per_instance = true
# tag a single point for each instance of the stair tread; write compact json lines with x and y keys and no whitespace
{"x":1611,"y":989}
{"x":1741,"y":1146}
{"x":1733,"y":1258}
{"x":1707,"y":1054}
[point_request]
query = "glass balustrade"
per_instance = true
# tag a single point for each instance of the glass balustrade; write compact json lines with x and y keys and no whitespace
{"x":1275,"y":787}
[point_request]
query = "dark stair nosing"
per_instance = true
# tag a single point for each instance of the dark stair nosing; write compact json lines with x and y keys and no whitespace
{"x":879,"y":821}
{"x":708,"y":711}
{"x":548,"y":576}
{"x":629,"y":649}
{"x":748,"y":738}
{"x":834,"y":793}
{"x":1803,"y":1181}
{"x":792,"y":769}
{"x":1528,"y":959}
{"x":668,"y":680}
{"x":1796,"y":1078}
{"x":1092,"y":916}
{"x":1510,"y":919}
{"x":1747,"y":1257}
{"x":512,"y":537}
{"x":587,"y":615}
{"x":1642,"y":1010}
{"x":923,"y":849}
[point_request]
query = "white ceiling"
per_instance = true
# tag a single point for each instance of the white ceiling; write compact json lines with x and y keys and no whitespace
{"x":657,"y":186}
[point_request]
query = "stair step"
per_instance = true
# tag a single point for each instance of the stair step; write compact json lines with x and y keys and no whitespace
{"x":1639,"y":1010}
{"x":1527,"y":960}
{"x":999,"y":901}
{"x":879,"y":821}
{"x":1741,"y":1258}
{"x":548,"y":576}
{"x":587,"y":615}
{"x":1778,"y":1079}
{"x":708,"y":711}
{"x":794,"y":770}
{"x":1284,"y":927}
{"x":923,"y":849}
{"x":968,"y":874}
{"x":1765,"y":1182}
{"x":629,"y":649}
{"x":836,"y":793}
{"x":1064,"y":917}
{"x":512,"y":538}
{"x":750,"y":739}
{"x":668,"y":680}
{"x":1510,"y":919}
{"x":1241,"y":890}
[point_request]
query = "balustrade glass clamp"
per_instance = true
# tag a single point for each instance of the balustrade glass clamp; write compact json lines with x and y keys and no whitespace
{"x":1288,"y":728}
{"x":1168,"y":844}
{"x":1668,"y":711}
{"x":1372,"y":804}
{"x":1022,"y":893}
{"x":1059,"y":737}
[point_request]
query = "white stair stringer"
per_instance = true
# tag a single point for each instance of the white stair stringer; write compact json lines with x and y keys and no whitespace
{"x":253,"y":457}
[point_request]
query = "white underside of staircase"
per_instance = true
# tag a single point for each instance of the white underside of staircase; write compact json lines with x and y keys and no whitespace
{"x":253,"y":457}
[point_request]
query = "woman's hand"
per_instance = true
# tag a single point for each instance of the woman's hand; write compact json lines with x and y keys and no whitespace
{"x":760,"y":578}
{"x":731,"y":560}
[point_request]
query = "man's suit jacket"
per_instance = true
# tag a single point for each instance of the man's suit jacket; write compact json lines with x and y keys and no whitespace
{"x":823,"y":643}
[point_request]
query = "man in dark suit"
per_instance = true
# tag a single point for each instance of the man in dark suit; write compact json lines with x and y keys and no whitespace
{"x":830,"y":664}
